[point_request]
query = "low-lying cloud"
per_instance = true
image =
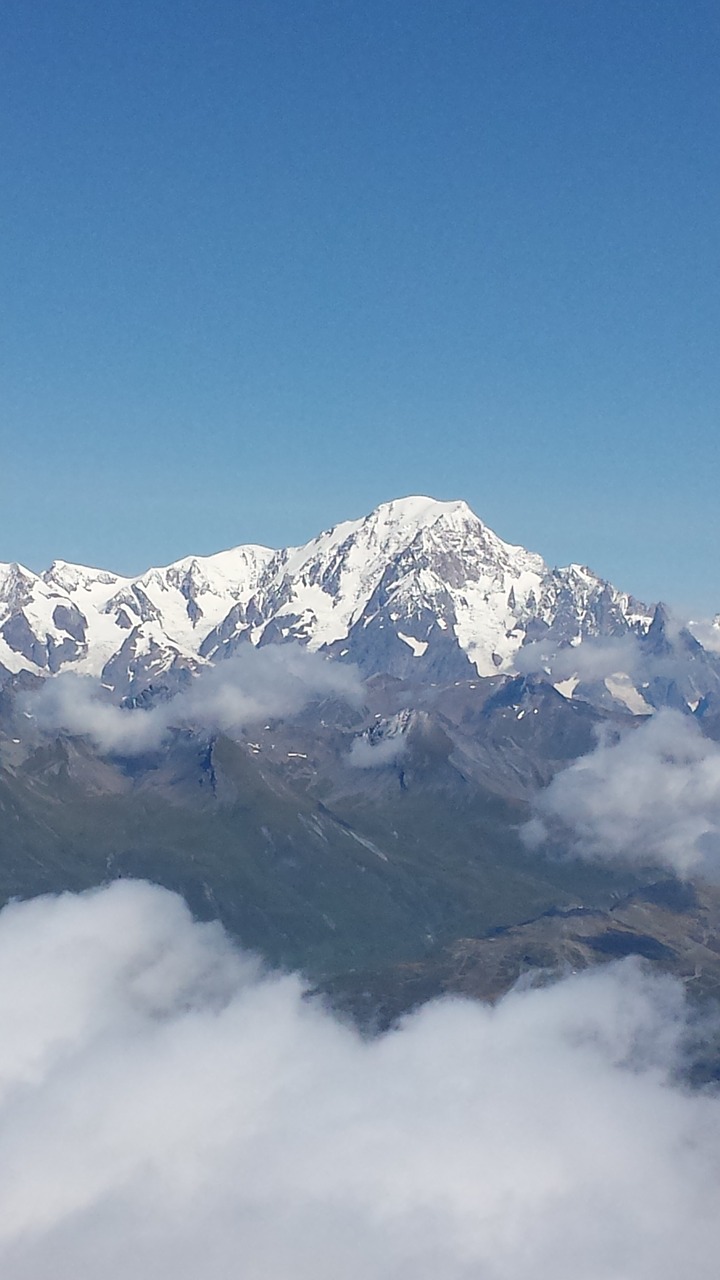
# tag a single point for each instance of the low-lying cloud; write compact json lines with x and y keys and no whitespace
{"x":589,"y":661}
{"x":252,"y":685}
{"x":376,"y":753}
{"x":651,"y":797}
{"x":674,"y":660}
{"x":168,"y":1109}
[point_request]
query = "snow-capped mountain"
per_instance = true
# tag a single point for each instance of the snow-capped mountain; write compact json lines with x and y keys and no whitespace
{"x":418,"y":587}
{"x":74,"y":617}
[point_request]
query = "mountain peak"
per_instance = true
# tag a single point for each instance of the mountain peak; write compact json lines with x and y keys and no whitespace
{"x":420,"y":510}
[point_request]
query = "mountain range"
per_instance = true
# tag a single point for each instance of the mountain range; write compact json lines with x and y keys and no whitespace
{"x":418,"y":589}
{"x":371,"y":833}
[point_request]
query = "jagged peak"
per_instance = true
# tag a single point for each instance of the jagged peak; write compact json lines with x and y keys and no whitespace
{"x":662,"y":623}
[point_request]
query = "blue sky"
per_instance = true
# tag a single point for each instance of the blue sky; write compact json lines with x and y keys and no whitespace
{"x":266,"y":264}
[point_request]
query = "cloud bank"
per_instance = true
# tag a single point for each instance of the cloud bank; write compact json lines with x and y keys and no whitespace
{"x":252,"y":685}
{"x":653,"y":797}
{"x":376,"y":753}
{"x":168,"y":1109}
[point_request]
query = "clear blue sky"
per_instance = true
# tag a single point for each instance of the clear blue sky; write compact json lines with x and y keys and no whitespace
{"x":266,"y":263}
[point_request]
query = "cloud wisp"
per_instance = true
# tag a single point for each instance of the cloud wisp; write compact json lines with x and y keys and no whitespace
{"x":381,"y":747}
{"x":252,"y":685}
{"x":707,"y":631}
{"x":651,"y":797}
{"x":376,"y":753}
{"x":593,"y":659}
{"x":674,"y":657}
{"x":167,"y":1108}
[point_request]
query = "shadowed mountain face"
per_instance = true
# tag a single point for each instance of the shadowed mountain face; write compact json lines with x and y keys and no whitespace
{"x":314,"y":853}
{"x":387,"y":884}
{"x":370,"y":834}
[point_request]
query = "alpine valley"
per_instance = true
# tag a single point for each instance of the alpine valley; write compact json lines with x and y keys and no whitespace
{"x":370,"y":830}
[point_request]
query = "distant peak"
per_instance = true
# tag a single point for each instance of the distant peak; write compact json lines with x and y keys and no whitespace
{"x":68,"y":575}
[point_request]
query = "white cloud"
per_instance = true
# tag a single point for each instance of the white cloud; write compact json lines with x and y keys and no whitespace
{"x":707,"y":631}
{"x":168,"y":1110}
{"x":599,"y":658}
{"x":253,"y":684}
{"x":376,"y":753}
{"x":653,"y":796}
{"x":591,"y":660}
